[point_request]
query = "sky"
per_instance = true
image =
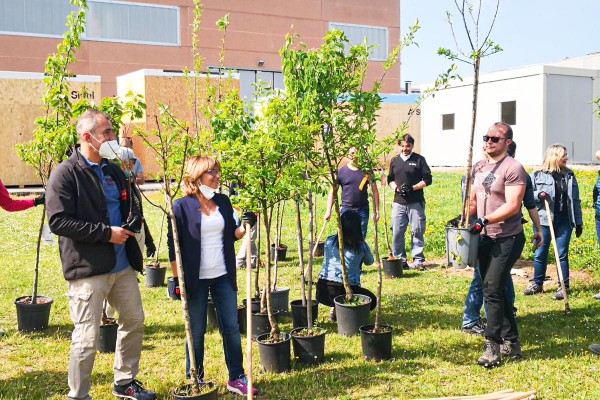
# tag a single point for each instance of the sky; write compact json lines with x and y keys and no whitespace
{"x":529,"y":32}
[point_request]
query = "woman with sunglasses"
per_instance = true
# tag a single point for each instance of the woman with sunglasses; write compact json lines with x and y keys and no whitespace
{"x":556,"y":184}
{"x":207,"y":231}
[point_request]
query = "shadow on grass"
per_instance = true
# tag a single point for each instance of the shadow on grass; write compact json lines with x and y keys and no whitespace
{"x":40,"y":385}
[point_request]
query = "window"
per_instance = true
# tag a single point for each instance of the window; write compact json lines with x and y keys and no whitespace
{"x":34,"y":17}
{"x":374,"y":35}
{"x":106,"y":21}
{"x":508,"y":112}
{"x":447,"y":122}
{"x":134,"y":23}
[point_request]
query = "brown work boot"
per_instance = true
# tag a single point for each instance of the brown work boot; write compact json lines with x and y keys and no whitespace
{"x":491,"y":355}
{"x":512,"y":350}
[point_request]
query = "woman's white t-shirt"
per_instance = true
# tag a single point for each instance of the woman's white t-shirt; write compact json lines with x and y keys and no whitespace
{"x":212,"y":259}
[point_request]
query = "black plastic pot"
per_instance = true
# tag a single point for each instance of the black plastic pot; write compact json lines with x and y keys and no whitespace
{"x":392,"y":268}
{"x":155,"y":276}
{"x":299,"y":317}
{"x":242,"y":318}
{"x":33,"y":317}
{"x":280,"y":299}
{"x":309,"y":349}
{"x":281,"y":252}
{"x":376,"y":346}
{"x":210,"y":394}
{"x":255,"y":305}
{"x":261,"y":325}
{"x":275,"y":357}
{"x":107,"y":338}
{"x":351,"y":317}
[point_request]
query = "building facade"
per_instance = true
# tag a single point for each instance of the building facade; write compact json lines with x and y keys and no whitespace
{"x":126,"y":36}
{"x":544,"y":104}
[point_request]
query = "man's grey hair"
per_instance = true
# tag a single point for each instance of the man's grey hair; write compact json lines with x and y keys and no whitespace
{"x":88,"y":121}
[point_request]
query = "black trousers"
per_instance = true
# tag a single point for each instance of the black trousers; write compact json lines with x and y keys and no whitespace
{"x":496,"y":258}
{"x":329,"y":290}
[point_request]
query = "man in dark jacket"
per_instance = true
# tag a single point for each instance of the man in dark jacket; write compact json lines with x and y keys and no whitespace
{"x":90,"y":207}
{"x":409,"y":175}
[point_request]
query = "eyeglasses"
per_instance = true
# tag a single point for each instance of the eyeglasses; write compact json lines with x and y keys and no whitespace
{"x":494,"y":139}
{"x":213,"y":172}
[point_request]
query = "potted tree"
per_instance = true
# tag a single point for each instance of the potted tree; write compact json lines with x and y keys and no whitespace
{"x":269,"y":175}
{"x":461,"y":245}
{"x":328,"y":85}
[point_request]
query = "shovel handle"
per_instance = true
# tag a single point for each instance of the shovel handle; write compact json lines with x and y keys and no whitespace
{"x":557,"y":257}
{"x":314,"y":250}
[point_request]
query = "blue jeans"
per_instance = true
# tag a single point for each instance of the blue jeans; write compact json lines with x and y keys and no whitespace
{"x":225,"y":299}
{"x":598,"y":230}
{"x":562,"y":231}
{"x":363,"y":213}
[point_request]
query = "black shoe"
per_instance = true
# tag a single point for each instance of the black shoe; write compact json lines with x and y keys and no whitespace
{"x":478,"y":329}
{"x":133,"y":390}
{"x":491,"y":355}
{"x":534,"y":288}
{"x":595,"y":348}
{"x":511,"y":349}
{"x":405,"y":266}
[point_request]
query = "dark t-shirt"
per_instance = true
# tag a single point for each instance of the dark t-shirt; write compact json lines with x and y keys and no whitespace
{"x":353,"y":197}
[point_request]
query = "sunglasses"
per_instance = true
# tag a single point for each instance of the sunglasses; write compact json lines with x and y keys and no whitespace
{"x":494,"y":139}
{"x":213,"y":172}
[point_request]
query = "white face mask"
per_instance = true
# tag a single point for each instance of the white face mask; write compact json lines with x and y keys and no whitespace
{"x":108,"y":149}
{"x":207,"y":191}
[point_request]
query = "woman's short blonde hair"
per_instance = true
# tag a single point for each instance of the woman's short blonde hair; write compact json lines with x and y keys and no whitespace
{"x":197,"y":166}
{"x":552,"y":157}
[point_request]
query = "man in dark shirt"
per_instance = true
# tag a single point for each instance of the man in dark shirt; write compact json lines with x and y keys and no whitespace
{"x":355,"y":192}
{"x":409,"y":175}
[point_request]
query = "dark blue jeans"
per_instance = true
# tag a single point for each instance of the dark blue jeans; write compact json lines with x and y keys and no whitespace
{"x":496,"y":258}
{"x":562,"y":231}
{"x":225,"y":299}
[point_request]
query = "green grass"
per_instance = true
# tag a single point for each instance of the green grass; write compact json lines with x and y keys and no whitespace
{"x":431,"y":355}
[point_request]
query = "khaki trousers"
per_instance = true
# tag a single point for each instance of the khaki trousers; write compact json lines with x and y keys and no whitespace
{"x":85,"y":303}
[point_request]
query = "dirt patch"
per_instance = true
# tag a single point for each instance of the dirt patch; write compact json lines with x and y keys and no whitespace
{"x":525,"y":266}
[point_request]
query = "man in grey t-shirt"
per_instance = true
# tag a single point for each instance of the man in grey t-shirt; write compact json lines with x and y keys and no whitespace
{"x":498,"y":190}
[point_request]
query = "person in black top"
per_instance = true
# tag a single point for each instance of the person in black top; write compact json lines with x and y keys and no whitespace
{"x":409,"y":174}
{"x":355,"y":192}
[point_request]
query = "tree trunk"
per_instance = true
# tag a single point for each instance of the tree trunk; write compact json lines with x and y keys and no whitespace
{"x":257,"y":271}
{"x":36,"y":275}
{"x":249,"y":308}
{"x":467,"y":203}
{"x":184,"y":303}
{"x":300,"y":251}
{"x":347,"y":288}
{"x":378,"y":260}
{"x":311,"y":227}
{"x":267,"y":289}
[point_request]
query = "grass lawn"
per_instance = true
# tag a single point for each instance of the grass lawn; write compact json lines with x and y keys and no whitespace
{"x":432,"y":357}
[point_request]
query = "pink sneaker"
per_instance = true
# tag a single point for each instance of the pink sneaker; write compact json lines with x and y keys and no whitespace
{"x":240,"y":386}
